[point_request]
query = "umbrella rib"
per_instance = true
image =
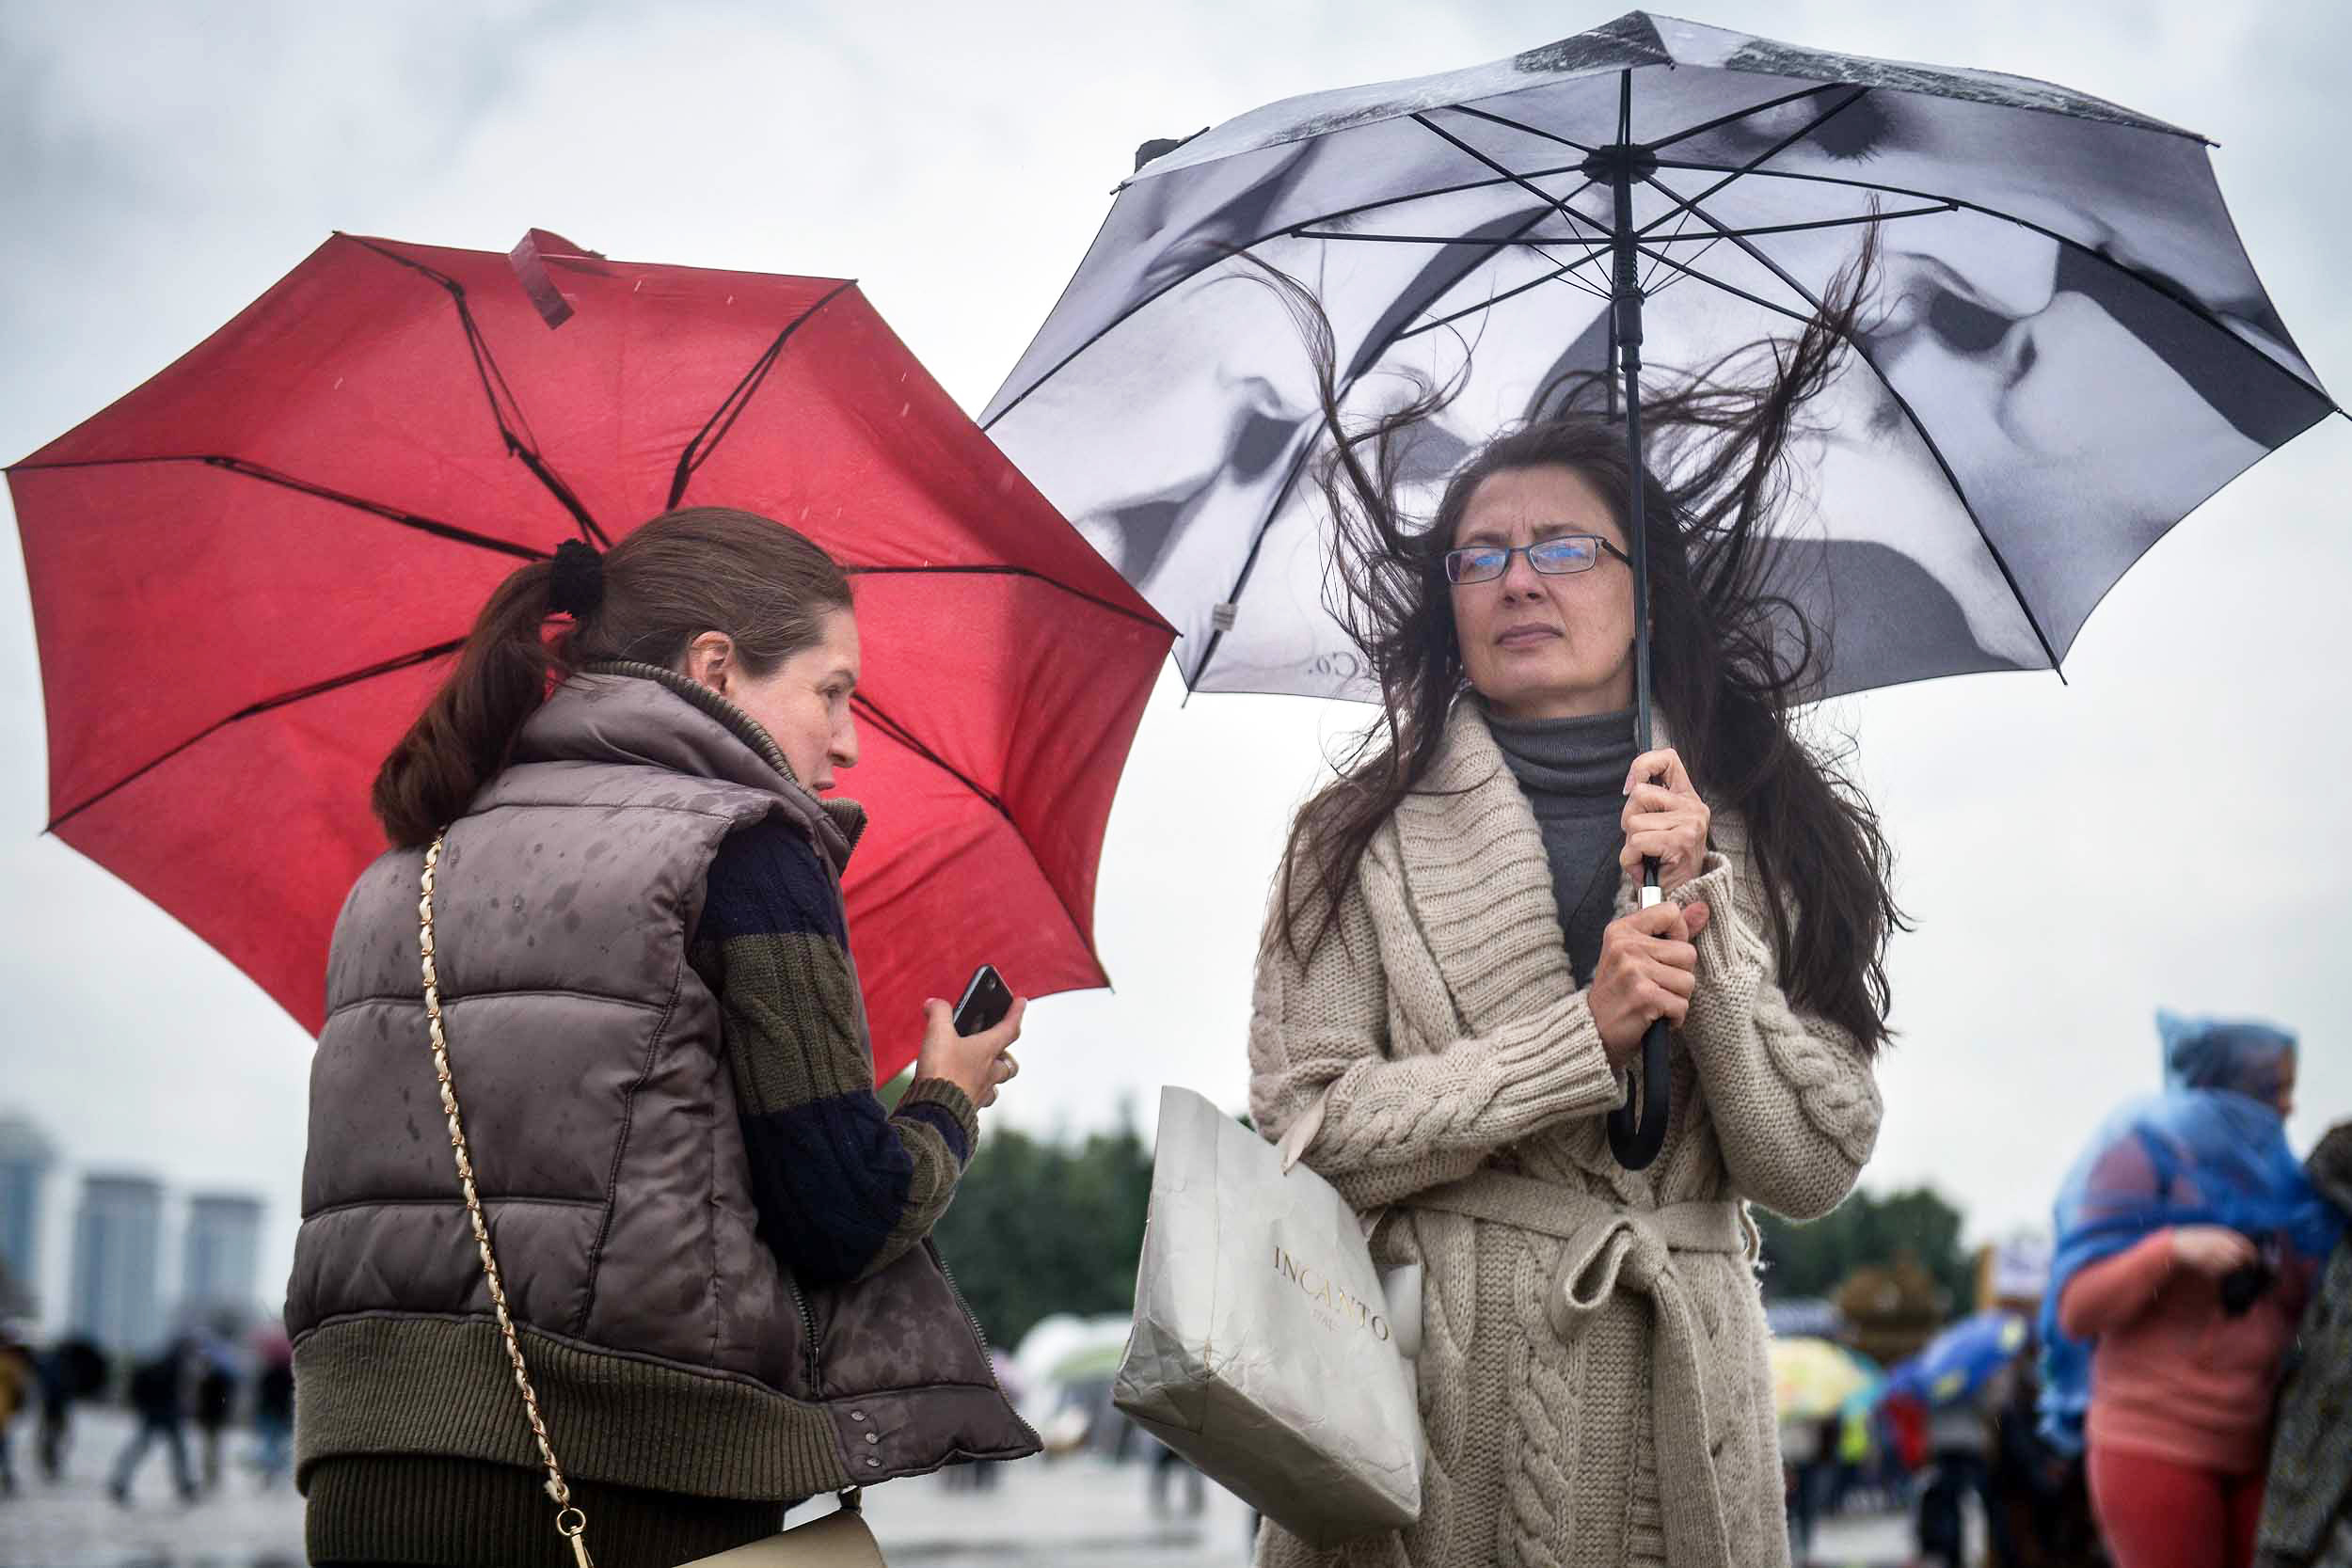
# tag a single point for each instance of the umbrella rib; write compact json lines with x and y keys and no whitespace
{"x":271,"y":476}
{"x":899,"y":733}
{"x":350,"y":678}
{"x":1225,"y":253}
{"x":1677,"y":237}
{"x":1687,"y":271}
{"x":1505,"y":119}
{"x":1597,"y":246}
{"x":1721,"y":120}
{"x":1592,"y":248}
{"x":1366,"y":360}
{"x":1152,"y":621}
{"x":1861,"y":348}
{"x":1489,"y":304}
{"x":2187,"y":302}
{"x":1523,"y":182}
{"x":1566,"y":273}
{"x":1712,"y":234}
{"x":1769,"y":154}
{"x":733,"y":404}
{"x":494,"y":382}
{"x":1492,"y":243}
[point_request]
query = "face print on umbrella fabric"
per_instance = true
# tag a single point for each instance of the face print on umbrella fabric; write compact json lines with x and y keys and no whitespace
{"x":2065,"y":350}
{"x":2049,"y":362}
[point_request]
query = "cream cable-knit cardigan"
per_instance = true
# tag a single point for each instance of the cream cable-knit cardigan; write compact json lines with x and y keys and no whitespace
{"x":1442,"y":1015}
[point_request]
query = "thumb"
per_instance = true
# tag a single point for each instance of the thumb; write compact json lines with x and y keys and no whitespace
{"x":1695,"y":915}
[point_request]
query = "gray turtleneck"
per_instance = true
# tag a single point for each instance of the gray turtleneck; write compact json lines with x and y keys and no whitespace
{"x":1572,"y":771}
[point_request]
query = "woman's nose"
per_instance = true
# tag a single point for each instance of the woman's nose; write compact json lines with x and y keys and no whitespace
{"x":1519,"y":577}
{"x":844,"y":747}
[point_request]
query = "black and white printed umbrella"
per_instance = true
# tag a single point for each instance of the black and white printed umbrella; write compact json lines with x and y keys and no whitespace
{"x":2071,"y":350}
{"x":2067,"y":349}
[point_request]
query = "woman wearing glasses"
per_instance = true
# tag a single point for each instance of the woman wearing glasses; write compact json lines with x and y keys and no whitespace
{"x":1456,"y":969}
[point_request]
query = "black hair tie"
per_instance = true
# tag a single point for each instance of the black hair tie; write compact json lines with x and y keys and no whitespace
{"x":576,"y":588}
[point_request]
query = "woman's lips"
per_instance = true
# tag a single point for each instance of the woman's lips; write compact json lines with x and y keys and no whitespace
{"x":1521,"y":636}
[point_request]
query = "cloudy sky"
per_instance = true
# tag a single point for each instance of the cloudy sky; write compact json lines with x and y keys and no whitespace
{"x":2074,"y":854}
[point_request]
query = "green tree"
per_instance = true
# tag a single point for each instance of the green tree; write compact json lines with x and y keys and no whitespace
{"x":1039,"y":1227}
{"x":1812,"y":1258}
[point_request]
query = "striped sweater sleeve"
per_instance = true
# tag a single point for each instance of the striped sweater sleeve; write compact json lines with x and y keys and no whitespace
{"x":843,"y":1186}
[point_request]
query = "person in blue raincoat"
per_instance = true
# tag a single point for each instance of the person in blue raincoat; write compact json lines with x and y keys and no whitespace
{"x":2188,"y":1234}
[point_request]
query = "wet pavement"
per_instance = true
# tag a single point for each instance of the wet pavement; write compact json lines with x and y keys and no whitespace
{"x":1059,"y":1513}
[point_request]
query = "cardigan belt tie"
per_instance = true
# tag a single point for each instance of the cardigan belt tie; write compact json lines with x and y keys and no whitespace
{"x":1611,"y":1249}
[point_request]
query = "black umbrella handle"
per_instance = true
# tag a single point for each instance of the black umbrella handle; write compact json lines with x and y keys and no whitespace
{"x":1636,"y":1142}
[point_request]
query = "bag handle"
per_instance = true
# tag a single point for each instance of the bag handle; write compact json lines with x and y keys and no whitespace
{"x":1300,"y":1136}
{"x":570,"y":1522}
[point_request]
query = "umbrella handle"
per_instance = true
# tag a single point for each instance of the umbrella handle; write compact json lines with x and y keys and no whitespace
{"x":1636,"y":1142}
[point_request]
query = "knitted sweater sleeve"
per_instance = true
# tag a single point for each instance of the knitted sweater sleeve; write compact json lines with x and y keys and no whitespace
{"x":843,"y":1184}
{"x":1396,"y":1125}
{"x":1794,"y":1100}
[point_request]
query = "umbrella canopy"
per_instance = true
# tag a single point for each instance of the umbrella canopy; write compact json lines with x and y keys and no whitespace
{"x":248,"y":575}
{"x":1090,"y":1362}
{"x":2066,"y":348}
{"x":1814,"y":1379}
{"x":1962,"y":1359}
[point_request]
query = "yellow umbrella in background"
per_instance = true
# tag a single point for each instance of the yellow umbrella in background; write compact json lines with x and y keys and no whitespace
{"x":1812,"y":1379}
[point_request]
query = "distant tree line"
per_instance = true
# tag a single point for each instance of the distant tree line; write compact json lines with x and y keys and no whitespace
{"x":1042,"y":1225}
{"x":1039,"y":1227}
{"x":1813,"y":1259}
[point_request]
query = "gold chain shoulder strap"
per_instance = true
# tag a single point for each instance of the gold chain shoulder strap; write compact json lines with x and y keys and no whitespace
{"x":570,"y":1522}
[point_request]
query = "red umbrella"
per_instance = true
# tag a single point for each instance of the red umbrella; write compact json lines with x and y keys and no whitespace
{"x":248,"y":574}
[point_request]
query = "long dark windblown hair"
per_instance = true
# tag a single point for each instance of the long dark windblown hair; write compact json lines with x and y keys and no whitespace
{"x":1730,"y":658}
{"x":697,"y":569}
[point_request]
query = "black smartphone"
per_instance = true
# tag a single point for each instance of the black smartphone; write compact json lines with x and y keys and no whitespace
{"x":986,"y":1001}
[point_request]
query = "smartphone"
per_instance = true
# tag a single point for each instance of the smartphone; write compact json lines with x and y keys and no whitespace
{"x":986,"y":1001}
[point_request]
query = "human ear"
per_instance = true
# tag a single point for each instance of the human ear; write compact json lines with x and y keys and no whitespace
{"x":710,"y":661}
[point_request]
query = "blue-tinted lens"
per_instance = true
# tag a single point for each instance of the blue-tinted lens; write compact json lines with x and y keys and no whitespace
{"x":1476,"y":565}
{"x":1572,"y":554}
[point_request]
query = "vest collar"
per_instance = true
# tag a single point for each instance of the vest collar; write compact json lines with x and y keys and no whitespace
{"x":628,"y":712}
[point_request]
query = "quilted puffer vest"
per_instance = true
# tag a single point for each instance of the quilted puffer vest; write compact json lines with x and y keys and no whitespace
{"x":671,"y":1348}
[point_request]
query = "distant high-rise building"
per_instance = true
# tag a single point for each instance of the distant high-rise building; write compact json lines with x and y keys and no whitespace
{"x":220,"y":1253}
{"x":25,"y":1157}
{"x":117,"y":1237}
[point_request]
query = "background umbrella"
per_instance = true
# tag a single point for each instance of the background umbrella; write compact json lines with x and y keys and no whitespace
{"x":245,"y":576}
{"x":2067,"y":349}
{"x":1814,"y":1379}
{"x":1962,"y":1359}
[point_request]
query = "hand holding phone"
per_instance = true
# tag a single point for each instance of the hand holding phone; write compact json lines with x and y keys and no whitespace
{"x":986,"y":1001}
{"x":968,"y":1045}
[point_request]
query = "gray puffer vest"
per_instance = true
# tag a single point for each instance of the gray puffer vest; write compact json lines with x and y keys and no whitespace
{"x":670,"y":1347}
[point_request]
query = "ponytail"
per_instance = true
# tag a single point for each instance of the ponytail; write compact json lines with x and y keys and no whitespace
{"x":702,"y":569}
{"x":462,"y":738}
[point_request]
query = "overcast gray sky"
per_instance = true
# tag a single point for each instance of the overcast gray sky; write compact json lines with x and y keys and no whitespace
{"x":2156,"y":831}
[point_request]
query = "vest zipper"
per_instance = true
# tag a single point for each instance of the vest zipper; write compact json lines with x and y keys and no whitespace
{"x":982,"y":1335}
{"x":808,"y":1325}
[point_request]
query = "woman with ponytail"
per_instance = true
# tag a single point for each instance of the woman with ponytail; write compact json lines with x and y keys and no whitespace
{"x":1456,"y":969}
{"x":711,"y":1239}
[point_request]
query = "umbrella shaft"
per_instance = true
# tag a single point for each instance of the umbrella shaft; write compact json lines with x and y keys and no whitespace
{"x":1626,"y":304}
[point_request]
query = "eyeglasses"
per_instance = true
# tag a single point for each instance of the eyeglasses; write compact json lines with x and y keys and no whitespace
{"x":1558,"y":556}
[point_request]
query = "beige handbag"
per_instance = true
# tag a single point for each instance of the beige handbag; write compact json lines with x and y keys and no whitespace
{"x":839,"y":1540}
